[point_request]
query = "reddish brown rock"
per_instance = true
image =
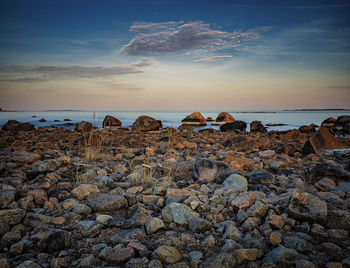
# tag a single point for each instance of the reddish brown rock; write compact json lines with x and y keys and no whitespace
{"x":121,"y":255}
{"x":195,"y":118}
{"x":329,"y":122}
{"x":187,"y":127}
{"x":13,"y":125}
{"x":84,"y":126}
{"x":111,"y":121}
{"x":223,"y":118}
{"x":322,"y":140}
{"x":146,"y":123}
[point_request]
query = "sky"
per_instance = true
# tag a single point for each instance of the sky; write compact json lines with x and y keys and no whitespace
{"x":174,"y":55}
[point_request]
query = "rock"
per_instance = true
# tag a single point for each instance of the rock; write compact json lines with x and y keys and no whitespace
{"x":322,"y":170}
{"x":155,"y":264}
{"x":83,"y":126}
{"x":231,"y":231}
{"x":121,"y":255}
{"x":258,"y":210}
{"x":6,"y":197}
{"x":81,"y":209}
{"x":262,"y":177}
{"x":297,"y":243}
{"x":4,"y":263}
{"x":12,"y":216}
{"x":24,"y":157}
{"x":267,"y":154}
{"x":128,"y":236}
{"x":257,"y":126}
{"x":281,"y":255}
{"x":207,"y":170}
{"x":137,"y":263}
{"x":42,"y":120}
{"x":146,"y":123}
{"x":153,"y":225}
{"x":39,"y":196}
{"x":304,"y":206}
{"x":250,"y":224}
{"x":222,"y":260}
{"x":236,"y":180}
{"x":243,"y":200}
{"x":247,"y":254}
{"x":198,"y":225}
{"x":325,"y":184}
{"x":322,"y":140}
{"x":343,"y":187}
{"x":186,"y":127}
{"x":28,"y":264}
{"x":196,"y":119}
{"x":223,"y":118}
{"x":329,"y":122}
{"x":167,"y":254}
{"x":178,"y":213}
{"x":111,"y":121}
{"x":308,"y":129}
{"x":84,"y":190}
{"x":234,"y":126}
{"x":209,"y":119}
{"x":339,"y":219}
{"x":101,"y":202}
{"x":56,"y":240}
{"x":140,"y":215}
{"x":13,"y":125}
{"x":275,"y":238}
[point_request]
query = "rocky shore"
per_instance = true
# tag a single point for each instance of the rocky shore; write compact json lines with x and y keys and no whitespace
{"x":148,"y":196}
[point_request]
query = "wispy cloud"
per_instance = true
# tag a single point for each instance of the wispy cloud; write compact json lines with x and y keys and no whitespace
{"x":213,"y":58}
{"x":165,"y":37}
{"x":41,"y":73}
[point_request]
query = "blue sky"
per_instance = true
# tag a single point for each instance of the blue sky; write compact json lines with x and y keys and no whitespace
{"x":174,"y":55}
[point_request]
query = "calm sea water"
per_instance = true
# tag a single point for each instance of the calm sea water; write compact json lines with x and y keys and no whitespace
{"x":293,"y":119}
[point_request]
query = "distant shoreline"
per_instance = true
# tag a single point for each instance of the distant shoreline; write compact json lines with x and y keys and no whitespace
{"x":315,"y":110}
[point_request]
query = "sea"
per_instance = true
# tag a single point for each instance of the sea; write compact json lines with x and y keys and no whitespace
{"x":290,"y":119}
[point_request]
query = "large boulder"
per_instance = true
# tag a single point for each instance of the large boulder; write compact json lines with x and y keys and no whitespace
{"x":326,"y":170}
{"x":224,"y":117}
{"x":13,"y":125}
{"x":84,"y":126}
{"x":329,"y":122}
{"x":342,"y":125}
{"x":234,"y":126}
{"x":56,"y":240}
{"x":257,"y":126}
{"x":146,"y":123}
{"x":308,"y":128}
{"x":111,"y":121}
{"x":322,"y":140}
{"x":195,"y":118}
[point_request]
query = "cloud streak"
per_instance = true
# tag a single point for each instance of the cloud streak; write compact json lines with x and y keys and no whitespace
{"x":42,"y":73}
{"x":167,"y":37}
{"x":213,"y":58}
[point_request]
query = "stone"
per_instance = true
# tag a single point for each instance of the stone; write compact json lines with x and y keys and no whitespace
{"x":56,"y":240}
{"x":110,"y":121}
{"x":24,"y":157}
{"x":195,"y":119}
{"x":140,"y":215}
{"x":224,"y":117}
{"x":13,"y":125}
{"x":101,"y":202}
{"x":247,"y":254}
{"x":329,"y":122}
{"x":198,"y":225}
{"x":325,"y":184}
{"x":222,"y":260}
{"x":84,"y":190}
{"x":137,"y":263}
{"x":84,"y":126}
{"x":297,"y":243}
{"x":121,"y":255}
{"x":304,"y":264}
{"x":275,"y":238}
{"x":81,"y":209}
{"x":258,"y":210}
{"x":322,"y":140}
{"x":267,"y":154}
{"x":167,"y":254}
{"x":250,"y":224}
{"x":343,"y":187}
{"x":243,"y":200}
{"x":281,"y":255}
{"x":39,"y":196}
{"x":308,"y":128}
{"x":155,"y":264}
{"x":6,"y":197}
{"x":195,"y":257}
{"x":207,"y":170}
{"x":178,"y":213}
{"x":153,"y":225}
{"x":262,"y":177}
{"x":88,"y":261}
{"x":146,"y":123}
{"x":231,"y":231}
{"x":28,"y":264}
{"x":325,"y":170}
{"x":234,"y":126}
{"x":304,"y":206}
{"x":236,"y":180}
{"x":275,"y":221}
{"x":257,"y":126}
{"x":128,"y":236}
{"x":12,"y":216}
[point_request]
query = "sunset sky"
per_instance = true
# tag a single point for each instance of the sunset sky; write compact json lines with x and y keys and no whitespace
{"x":174,"y":55}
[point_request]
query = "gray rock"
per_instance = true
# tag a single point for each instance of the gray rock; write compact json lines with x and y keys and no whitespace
{"x":6,"y":197}
{"x":137,"y":263}
{"x":45,"y":165}
{"x":195,"y":256}
{"x":140,"y":215}
{"x":258,"y":210}
{"x":178,"y":213}
{"x":56,"y":240}
{"x":24,"y":157}
{"x":197,"y":225}
{"x":231,"y":231}
{"x":297,"y":243}
{"x":128,"y":236}
{"x":28,"y":264}
{"x":281,"y":254}
{"x":207,"y":170}
{"x":343,"y":187}
{"x":230,"y":246}
{"x":236,"y":180}
{"x":101,"y":202}
{"x":338,"y":219}
{"x":81,"y":209}
{"x":325,"y":170}
{"x":262,"y":177}
{"x":222,"y":260}
{"x":304,"y":206}
{"x":88,"y":261}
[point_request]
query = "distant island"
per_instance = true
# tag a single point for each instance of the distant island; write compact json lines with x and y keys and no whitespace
{"x":310,"y":110}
